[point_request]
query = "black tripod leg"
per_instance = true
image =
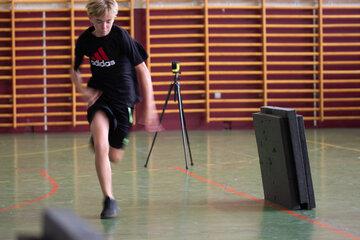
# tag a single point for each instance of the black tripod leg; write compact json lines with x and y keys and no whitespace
{"x":182,"y":121}
{"x":160,"y":120}
{"x":187,"y":136}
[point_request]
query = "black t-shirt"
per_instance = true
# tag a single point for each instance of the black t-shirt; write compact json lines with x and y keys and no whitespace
{"x":112,"y":60}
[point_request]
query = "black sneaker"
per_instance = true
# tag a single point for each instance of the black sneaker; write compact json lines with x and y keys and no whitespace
{"x":110,"y":209}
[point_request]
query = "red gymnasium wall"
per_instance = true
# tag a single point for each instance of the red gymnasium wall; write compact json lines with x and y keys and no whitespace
{"x":233,"y":61}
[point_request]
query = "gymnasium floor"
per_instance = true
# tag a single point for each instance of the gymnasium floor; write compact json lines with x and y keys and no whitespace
{"x":220,"y":198}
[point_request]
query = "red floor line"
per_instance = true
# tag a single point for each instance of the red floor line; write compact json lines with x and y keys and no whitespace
{"x":25,"y":203}
{"x":272,"y":205}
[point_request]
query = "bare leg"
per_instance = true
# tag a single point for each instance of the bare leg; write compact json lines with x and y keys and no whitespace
{"x":100,"y":129}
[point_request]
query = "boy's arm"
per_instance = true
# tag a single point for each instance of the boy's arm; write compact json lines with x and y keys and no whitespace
{"x":90,"y":95}
{"x":150,"y":117}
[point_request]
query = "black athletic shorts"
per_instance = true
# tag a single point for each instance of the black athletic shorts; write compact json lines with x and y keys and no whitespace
{"x":120,"y":121}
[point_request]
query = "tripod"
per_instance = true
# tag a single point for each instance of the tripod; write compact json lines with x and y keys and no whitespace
{"x":177,"y":97}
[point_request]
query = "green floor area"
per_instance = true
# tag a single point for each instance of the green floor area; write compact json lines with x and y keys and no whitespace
{"x":219,"y":198}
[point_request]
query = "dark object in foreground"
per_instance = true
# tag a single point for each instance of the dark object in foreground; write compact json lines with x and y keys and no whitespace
{"x":64,"y":224}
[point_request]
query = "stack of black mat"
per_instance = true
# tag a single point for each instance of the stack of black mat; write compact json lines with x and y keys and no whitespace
{"x":284,"y":161}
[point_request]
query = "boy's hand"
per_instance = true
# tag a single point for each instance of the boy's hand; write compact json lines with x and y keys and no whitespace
{"x":90,"y":95}
{"x":148,"y":117}
{"x":152,"y":123}
{"x":75,"y":78}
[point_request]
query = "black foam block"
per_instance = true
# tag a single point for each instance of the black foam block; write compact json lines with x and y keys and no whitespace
{"x":290,"y":115}
{"x":310,"y":189}
{"x":277,"y":168}
{"x":290,"y":132}
{"x":60,"y":224}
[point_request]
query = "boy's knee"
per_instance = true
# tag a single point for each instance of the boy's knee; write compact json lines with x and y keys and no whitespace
{"x":116,"y":155}
{"x":115,"y":159}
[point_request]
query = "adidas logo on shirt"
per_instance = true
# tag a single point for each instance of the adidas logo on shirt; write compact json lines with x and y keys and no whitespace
{"x":102,"y":63}
{"x":100,"y":59}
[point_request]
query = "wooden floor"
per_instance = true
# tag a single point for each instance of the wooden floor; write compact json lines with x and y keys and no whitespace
{"x":219,"y":198}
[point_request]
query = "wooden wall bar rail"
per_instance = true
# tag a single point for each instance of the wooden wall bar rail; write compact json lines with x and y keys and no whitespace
{"x":291,"y":46}
{"x":36,"y":53}
{"x":178,"y":34}
{"x":234,"y":59}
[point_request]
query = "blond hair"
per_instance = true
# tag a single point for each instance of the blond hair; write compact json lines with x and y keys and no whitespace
{"x":97,"y":8}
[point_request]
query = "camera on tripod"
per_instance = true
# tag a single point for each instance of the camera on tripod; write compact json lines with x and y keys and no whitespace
{"x":175,"y":67}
